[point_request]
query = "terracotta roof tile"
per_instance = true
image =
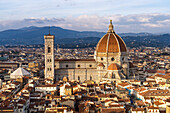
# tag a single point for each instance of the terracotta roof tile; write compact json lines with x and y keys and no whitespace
{"x":101,"y":64}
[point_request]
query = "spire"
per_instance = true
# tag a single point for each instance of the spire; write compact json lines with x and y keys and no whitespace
{"x":110,"y":27}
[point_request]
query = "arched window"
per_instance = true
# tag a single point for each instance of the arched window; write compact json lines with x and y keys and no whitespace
{"x":78,"y":65}
{"x":112,"y":59}
{"x":78,"y":77}
{"x":66,"y":65}
{"x":101,"y":58}
{"x":49,"y":50}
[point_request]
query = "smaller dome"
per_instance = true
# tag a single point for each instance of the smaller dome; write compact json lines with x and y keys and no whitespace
{"x":114,"y":66}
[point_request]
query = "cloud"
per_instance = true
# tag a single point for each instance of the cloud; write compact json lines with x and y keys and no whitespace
{"x":15,"y":24}
{"x":166,"y":21}
{"x":42,"y":20}
{"x":154,"y":23}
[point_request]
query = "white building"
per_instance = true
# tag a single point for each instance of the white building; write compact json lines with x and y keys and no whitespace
{"x":19,"y":73}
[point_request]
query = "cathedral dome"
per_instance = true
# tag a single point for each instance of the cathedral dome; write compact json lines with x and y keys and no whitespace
{"x":111,"y":42}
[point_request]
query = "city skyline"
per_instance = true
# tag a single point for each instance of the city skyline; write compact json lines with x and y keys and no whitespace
{"x":67,"y":71}
{"x":128,"y":16}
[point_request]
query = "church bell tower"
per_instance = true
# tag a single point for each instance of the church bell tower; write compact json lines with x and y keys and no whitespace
{"x":49,"y":56}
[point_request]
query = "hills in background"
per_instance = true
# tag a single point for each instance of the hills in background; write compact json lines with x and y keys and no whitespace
{"x":70,"y":38}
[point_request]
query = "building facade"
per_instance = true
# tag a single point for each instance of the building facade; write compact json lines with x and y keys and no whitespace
{"x":110,"y":62}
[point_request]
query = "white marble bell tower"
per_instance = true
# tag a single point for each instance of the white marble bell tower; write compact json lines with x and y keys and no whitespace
{"x":49,"y":56}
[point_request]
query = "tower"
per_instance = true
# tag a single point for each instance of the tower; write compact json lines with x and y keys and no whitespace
{"x":49,"y":56}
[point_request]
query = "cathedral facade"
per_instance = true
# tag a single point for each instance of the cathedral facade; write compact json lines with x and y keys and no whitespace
{"x":110,"y":62}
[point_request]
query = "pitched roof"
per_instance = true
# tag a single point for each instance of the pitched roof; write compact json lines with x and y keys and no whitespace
{"x":113,"y":110}
{"x":156,"y":93}
{"x":20,"y":71}
{"x":101,"y":64}
{"x":74,"y":59}
{"x":138,"y":109}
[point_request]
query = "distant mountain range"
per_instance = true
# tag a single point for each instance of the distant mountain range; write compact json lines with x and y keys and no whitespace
{"x":34,"y":35}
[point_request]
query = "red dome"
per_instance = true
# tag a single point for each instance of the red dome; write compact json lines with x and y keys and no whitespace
{"x":111,"y":42}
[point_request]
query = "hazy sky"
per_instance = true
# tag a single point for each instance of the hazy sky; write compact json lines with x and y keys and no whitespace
{"x":127,"y":15}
